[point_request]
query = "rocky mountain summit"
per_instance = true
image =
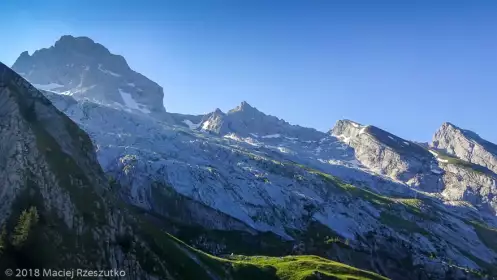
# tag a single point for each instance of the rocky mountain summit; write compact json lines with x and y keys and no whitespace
{"x":246,"y":121}
{"x":388,"y":154}
{"x":79,"y":67}
{"x":243,"y":182}
{"x":466,"y":145}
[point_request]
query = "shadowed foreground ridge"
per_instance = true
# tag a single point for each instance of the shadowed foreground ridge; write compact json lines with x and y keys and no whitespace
{"x":59,"y":211}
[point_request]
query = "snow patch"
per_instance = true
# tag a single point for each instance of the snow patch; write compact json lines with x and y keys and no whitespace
{"x":272,"y":136}
{"x":354,"y":163}
{"x":391,"y":137}
{"x":255,"y":135}
{"x":232,"y":136}
{"x":343,"y":138}
{"x":108,"y":71}
{"x":237,"y":138}
{"x":442,"y":160}
{"x":437,"y":171}
{"x":191,"y":125}
{"x":67,"y":92}
{"x":131,"y":103}
{"x":407,"y":143}
{"x":433,"y":153}
{"x":205,"y":125}
{"x":48,"y":87}
{"x":252,"y":142}
{"x":284,"y":150}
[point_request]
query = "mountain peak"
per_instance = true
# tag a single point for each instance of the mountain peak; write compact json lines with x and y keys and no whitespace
{"x":80,"y":67}
{"x":450,"y":128}
{"x":347,"y":127}
{"x":466,"y":145}
{"x":24,"y":54}
{"x":351,"y":122}
{"x":65,"y":39}
{"x":448,"y":125}
{"x":243,"y":107}
{"x":81,"y":44}
{"x":245,"y":120}
{"x":218,"y":111}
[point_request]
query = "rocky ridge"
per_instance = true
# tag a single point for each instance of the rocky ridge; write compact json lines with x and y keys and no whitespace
{"x":466,"y":145}
{"x":246,"y":121}
{"x":388,"y":154}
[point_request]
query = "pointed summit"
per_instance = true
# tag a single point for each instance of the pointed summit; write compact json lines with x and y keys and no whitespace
{"x":245,"y":120}
{"x":218,"y":111}
{"x":347,"y":128}
{"x":446,"y":125}
{"x":24,"y":54}
{"x":244,"y":107}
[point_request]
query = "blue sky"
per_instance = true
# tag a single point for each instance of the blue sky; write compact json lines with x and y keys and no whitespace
{"x":405,"y":66}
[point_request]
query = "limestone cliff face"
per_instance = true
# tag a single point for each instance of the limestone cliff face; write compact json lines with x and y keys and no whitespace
{"x":457,"y":163}
{"x":471,"y":165}
{"x":464,"y":184}
{"x":390,"y":155}
{"x":466,"y":145}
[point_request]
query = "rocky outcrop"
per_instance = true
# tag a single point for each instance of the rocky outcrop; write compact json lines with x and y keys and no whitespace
{"x":245,"y":120}
{"x":466,"y":145}
{"x":391,"y":155}
{"x":470,"y":165}
{"x":80,"y":67}
{"x":465,"y":184}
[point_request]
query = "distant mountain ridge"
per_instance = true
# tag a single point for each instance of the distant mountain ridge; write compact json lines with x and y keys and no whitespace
{"x":247,"y":121}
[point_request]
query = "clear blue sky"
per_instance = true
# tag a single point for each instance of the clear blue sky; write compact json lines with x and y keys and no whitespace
{"x":405,"y":66}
